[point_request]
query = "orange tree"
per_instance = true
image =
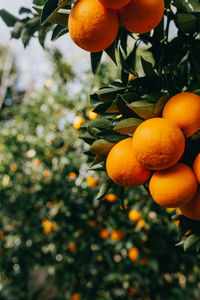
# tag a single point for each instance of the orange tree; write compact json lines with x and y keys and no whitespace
{"x":122,"y":106}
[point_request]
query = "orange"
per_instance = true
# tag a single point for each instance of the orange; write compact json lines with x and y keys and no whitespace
{"x":192,"y":209}
{"x":92,"y":115}
{"x":92,"y":26}
{"x":173,"y":187}
{"x":122,"y":166}
{"x":141,"y":16}
{"x":133,"y":254}
{"x":184,"y":110}
{"x":110,"y":197}
{"x":73,"y":247}
{"x":141,"y":223}
{"x":132,"y":291}
{"x":91,"y":223}
{"x":47,"y":226}
{"x":134,"y":215}
{"x":196,"y":167}
{"x":114,"y":4}
{"x":104,"y":234}
{"x":76,"y":297}
{"x":158,"y":143}
{"x":91,"y":181}
{"x":117,"y":235}
{"x":78,"y":121}
{"x":72,"y":175}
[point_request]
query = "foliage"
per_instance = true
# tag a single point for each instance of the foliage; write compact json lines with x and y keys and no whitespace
{"x":44,"y":180}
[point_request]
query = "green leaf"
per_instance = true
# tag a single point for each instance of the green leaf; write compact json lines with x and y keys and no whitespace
{"x":98,"y":159}
{"x":39,"y":2}
{"x":188,"y":6}
{"x":147,"y":67}
{"x":190,"y":241}
{"x":113,"y":108}
{"x":143,"y":109}
{"x":50,"y":12}
{"x":160,"y":104}
{"x":187,"y":22}
{"x":105,"y":187}
{"x":24,"y":10}
{"x":17,"y":29}
{"x":110,"y":51}
{"x":101,"y":147}
{"x":108,"y":93}
{"x":31,"y":27}
{"x":100,"y":123}
{"x":58,"y":31}
{"x":95,"y":58}
{"x":127,"y":126}
{"x":9,"y":19}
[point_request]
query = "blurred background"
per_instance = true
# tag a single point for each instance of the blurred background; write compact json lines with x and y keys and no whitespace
{"x":56,"y":240}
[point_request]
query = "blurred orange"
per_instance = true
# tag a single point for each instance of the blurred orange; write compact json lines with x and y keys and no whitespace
{"x":47,"y":226}
{"x":132,"y":291}
{"x":72,"y":175}
{"x":117,"y":235}
{"x":91,"y":181}
{"x":133,"y":254}
{"x":141,"y":223}
{"x":110,"y":197}
{"x":78,"y":121}
{"x":73,"y":247}
{"x":91,"y":223}
{"x":2,"y":234}
{"x":92,"y":115}
{"x":104,"y":234}
{"x":134,"y":215}
{"x":76,"y":297}
{"x":36,"y":163}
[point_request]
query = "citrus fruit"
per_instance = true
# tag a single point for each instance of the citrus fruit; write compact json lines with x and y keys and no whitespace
{"x":76,"y":297}
{"x":92,"y":26}
{"x":132,"y":291}
{"x":73,"y":247}
{"x":134,"y":215}
{"x":196,"y":167}
{"x":158,"y":143}
{"x":91,"y":181}
{"x":141,"y":223}
{"x":184,"y":110}
{"x":78,"y":121}
{"x":133,"y":254}
{"x":110,"y":197}
{"x":114,"y":4}
{"x":47,"y":226}
{"x":192,"y":209}
{"x":104,"y":234}
{"x":122,"y":166}
{"x":141,"y":16}
{"x":117,"y":235}
{"x":173,"y":187}
{"x":92,"y":115}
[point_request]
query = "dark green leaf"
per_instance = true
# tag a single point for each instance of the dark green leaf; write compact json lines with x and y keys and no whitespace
{"x":190,"y":241}
{"x":58,"y":31}
{"x":50,"y":12}
{"x":95,"y":58}
{"x":9,"y":19}
{"x":105,"y":187}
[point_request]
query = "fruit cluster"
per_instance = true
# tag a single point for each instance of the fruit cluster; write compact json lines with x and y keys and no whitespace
{"x":158,"y":145}
{"x":94,"y":24}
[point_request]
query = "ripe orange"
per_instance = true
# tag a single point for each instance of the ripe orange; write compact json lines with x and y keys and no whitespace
{"x":196,"y":167}
{"x":91,"y":181}
{"x":184,"y":110}
{"x":192,"y":209}
{"x":158,"y":143}
{"x":122,"y":166}
{"x":104,"y":234}
{"x":114,"y":4}
{"x":78,"y":121}
{"x":134,"y":215}
{"x":88,"y":22}
{"x":141,"y":16}
{"x":76,"y":297}
{"x":133,"y":254}
{"x":47,"y":226}
{"x":117,"y":235}
{"x":141,"y":223}
{"x":173,"y":187}
{"x":132,"y":291}
{"x":110,"y":197}
{"x":73,"y":247}
{"x":92,"y":115}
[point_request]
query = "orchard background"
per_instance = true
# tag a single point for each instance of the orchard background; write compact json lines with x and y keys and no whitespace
{"x":66,"y":230}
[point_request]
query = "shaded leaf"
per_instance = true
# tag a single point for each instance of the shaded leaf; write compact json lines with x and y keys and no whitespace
{"x":8,"y":18}
{"x":147,"y":67}
{"x":101,"y":147}
{"x":143,"y":109}
{"x":190,"y":241}
{"x":101,"y":123}
{"x":58,"y":31}
{"x":105,"y":187}
{"x":127,"y":126}
{"x":110,"y":51}
{"x":95,"y":58}
{"x":50,"y":12}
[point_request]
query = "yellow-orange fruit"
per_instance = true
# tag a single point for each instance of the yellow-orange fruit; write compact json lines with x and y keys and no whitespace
{"x":141,"y":16}
{"x":132,"y":291}
{"x":104,"y":234}
{"x":184,"y":110}
{"x":173,"y":187}
{"x":114,"y":4}
{"x":133,"y":254}
{"x":110,"y":197}
{"x":192,"y":209}
{"x":117,"y":235}
{"x":92,"y":26}
{"x":158,"y":143}
{"x":76,"y":297}
{"x":134,"y":215}
{"x":122,"y":166}
{"x":78,"y":121}
{"x":196,"y":167}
